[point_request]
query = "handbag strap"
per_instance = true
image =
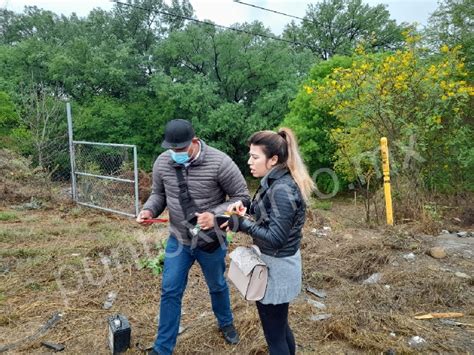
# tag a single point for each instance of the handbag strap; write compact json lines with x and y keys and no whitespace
{"x":257,"y":249}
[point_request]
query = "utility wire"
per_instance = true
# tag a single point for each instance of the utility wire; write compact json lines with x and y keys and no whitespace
{"x":277,"y":12}
{"x":166,"y":13}
{"x":270,"y":10}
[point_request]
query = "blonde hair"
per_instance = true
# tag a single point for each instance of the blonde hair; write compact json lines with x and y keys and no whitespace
{"x":284,"y":145}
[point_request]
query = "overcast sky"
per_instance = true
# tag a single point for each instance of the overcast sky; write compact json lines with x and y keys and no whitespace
{"x":227,"y":12}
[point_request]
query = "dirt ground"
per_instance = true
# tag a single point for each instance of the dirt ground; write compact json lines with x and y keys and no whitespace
{"x":59,"y":259}
{"x":63,"y":258}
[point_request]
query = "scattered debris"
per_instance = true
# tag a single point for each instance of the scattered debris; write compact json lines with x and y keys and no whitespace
{"x":387,"y":287}
{"x":319,"y":317}
{"x":181,"y":329}
{"x":373,"y":279}
{"x":320,"y":233}
{"x":440,"y":315}
{"x":34,"y":204}
{"x":462,"y":275}
{"x":317,"y":304}
{"x":416,"y":341}
{"x":318,"y":293}
{"x":105,"y":260}
{"x":453,"y":322}
{"x":437,"y":252}
{"x":460,"y":234}
{"x":205,"y":314}
{"x":392,"y":334}
{"x":109,"y":301}
{"x":347,"y":236}
{"x":55,"y":318}
{"x":144,"y":348}
{"x":55,"y":347}
{"x":409,"y":257}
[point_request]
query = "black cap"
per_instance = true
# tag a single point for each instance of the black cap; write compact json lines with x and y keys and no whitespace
{"x":178,"y":134}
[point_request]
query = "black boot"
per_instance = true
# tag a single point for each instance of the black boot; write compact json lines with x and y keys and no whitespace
{"x":230,"y":334}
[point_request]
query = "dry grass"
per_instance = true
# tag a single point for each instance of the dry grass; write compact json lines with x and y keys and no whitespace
{"x":19,"y":181}
{"x":45,"y":243}
{"x":53,"y":260}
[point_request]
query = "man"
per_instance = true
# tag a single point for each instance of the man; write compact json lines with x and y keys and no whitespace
{"x":210,"y":176}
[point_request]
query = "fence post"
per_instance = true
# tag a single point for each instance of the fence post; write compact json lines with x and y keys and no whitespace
{"x":135,"y":169}
{"x":386,"y":181}
{"x":71,"y":152}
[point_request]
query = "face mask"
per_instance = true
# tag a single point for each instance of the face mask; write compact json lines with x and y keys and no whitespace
{"x":180,"y":157}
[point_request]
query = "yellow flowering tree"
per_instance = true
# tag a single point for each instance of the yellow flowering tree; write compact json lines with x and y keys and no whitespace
{"x":312,"y":125}
{"x":420,"y":103}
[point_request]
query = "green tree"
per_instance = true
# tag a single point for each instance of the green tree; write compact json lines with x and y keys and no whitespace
{"x":42,"y":126}
{"x":217,"y":76}
{"x":420,"y":106}
{"x":130,"y":70}
{"x":335,"y":27}
{"x":452,"y":24}
{"x":312,"y":123}
{"x":8,"y":116}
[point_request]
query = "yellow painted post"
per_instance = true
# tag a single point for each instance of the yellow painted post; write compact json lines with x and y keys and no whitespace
{"x":386,"y":181}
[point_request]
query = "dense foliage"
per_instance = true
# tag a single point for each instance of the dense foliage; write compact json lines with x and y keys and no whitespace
{"x":350,"y":77}
{"x":128,"y":71}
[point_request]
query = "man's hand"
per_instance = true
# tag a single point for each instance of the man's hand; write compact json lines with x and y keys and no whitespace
{"x":205,"y":220}
{"x":145,"y":214}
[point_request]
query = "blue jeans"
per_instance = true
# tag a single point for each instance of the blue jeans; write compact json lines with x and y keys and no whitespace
{"x":178,"y":260}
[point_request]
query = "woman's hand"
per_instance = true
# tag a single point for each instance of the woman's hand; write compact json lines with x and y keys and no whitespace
{"x":237,"y":208}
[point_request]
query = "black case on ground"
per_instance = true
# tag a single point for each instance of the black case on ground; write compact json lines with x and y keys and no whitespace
{"x":119,"y":334}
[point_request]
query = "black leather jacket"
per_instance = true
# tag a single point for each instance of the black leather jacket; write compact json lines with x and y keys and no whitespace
{"x":279,"y":212}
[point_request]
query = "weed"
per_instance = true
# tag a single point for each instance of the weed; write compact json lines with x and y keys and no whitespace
{"x":22,"y":253}
{"x":35,"y":263}
{"x":8,"y":216}
{"x":34,"y":286}
{"x":432,"y":211}
{"x":156,"y":263}
{"x":322,"y":205}
{"x":76,"y":212}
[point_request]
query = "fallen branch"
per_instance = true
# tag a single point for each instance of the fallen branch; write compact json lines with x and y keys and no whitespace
{"x":56,"y":317}
{"x":440,"y":315}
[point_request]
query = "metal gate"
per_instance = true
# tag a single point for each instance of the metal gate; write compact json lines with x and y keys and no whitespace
{"x":104,"y":175}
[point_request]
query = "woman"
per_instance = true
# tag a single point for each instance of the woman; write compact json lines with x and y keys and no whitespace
{"x":278,"y":209}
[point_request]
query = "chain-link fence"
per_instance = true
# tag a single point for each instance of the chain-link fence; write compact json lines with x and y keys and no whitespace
{"x":52,"y":157}
{"x":105,"y":176}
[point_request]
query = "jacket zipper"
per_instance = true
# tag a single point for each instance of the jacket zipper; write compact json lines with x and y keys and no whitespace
{"x":187,"y":174}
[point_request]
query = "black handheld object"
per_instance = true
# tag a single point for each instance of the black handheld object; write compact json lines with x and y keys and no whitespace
{"x":221,"y":219}
{"x":119,"y":334}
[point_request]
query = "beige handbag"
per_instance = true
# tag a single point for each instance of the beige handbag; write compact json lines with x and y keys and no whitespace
{"x":248,"y":272}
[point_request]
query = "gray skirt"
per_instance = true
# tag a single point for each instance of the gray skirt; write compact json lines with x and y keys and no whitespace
{"x":284,"y":278}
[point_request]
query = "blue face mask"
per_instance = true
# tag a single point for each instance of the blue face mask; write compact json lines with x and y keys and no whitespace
{"x":180,"y":157}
